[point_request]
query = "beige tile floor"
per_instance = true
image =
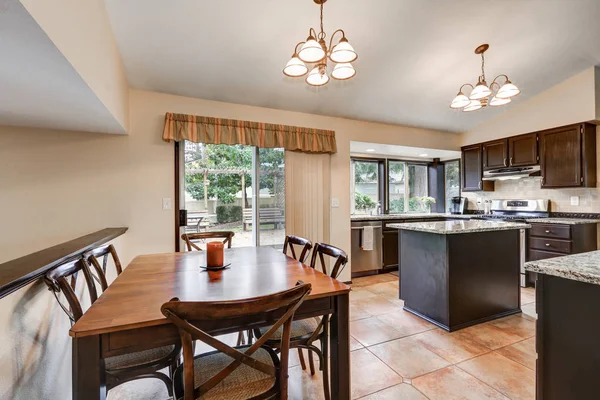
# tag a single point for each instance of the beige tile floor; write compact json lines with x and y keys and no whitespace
{"x":395,"y":355}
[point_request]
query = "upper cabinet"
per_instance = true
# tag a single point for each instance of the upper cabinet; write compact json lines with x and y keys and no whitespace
{"x":471,"y":171}
{"x":495,"y":154}
{"x":568,"y":156}
{"x":523,"y":150}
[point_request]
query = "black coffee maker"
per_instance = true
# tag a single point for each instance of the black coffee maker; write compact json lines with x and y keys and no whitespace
{"x":458,"y":205}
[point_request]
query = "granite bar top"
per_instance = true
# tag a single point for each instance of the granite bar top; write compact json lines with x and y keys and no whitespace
{"x":583,"y":267}
{"x":383,"y":217}
{"x":455,"y":227}
{"x":565,"y":221}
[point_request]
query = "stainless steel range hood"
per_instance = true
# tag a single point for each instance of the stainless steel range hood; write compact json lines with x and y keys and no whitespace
{"x":506,"y":173}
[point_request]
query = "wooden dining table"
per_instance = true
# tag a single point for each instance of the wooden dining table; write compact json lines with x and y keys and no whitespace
{"x":127,"y":317}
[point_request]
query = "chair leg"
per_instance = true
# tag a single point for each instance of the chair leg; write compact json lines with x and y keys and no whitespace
{"x":301,"y":357}
{"x":325,"y":351}
{"x":311,"y":362}
{"x":240,"y":339}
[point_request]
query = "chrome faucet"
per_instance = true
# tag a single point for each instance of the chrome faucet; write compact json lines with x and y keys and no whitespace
{"x":377,"y":209}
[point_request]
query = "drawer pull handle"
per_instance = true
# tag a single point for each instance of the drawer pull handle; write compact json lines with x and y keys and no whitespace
{"x":547,"y":231}
{"x":547,"y":244}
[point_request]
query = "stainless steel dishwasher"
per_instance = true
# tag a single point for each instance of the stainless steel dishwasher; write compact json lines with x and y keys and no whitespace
{"x":365,"y":261}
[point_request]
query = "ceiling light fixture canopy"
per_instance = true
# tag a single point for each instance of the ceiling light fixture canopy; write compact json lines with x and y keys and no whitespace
{"x":315,"y":51}
{"x":483,"y":95}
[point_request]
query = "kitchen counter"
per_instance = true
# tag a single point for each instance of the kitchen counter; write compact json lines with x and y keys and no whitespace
{"x":564,"y":221}
{"x":383,"y":217}
{"x":582,"y":267}
{"x":457,"y":227}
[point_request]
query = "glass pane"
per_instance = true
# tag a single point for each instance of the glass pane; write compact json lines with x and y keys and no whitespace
{"x":272,"y":197}
{"x":365,"y":186}
{"x":396,"y":186}
{"x":214,"y":178}
{"x":452,"y":181}
{"x":417,"y":189}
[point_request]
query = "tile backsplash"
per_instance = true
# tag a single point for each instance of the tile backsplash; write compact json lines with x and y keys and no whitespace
{"x":530,"y":188}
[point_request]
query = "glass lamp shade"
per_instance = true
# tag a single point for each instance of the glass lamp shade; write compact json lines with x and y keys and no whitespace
{"x":295,"y":67}
{"x":496,"y":101}
{"x":318,"y":76}
{"x":473,"y":105}
{"x":311,"y":51}
{"x":507,"y":91}
{"x":343,"y":52}
{"x":480,"y":91}
{"x":343,"y":71}
{"x":460,"y":101}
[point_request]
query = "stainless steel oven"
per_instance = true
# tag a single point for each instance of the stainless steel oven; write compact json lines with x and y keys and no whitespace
{"x":365,"y":261}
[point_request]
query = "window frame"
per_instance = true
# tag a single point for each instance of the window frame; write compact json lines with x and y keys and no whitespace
{"x":459,"y":175}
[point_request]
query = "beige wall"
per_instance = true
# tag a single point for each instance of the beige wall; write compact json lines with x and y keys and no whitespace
{"x":92,"y":50}
{"x":569,"y":102}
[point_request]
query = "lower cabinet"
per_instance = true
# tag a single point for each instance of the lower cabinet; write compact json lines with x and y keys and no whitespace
{"x":556,"y":240}
{"x":390,"y":249}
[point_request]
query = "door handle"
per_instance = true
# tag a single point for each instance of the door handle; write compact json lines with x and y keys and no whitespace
{"x":479,"y":185}
{"x":510,"y":161}
{"x":505,"y":161}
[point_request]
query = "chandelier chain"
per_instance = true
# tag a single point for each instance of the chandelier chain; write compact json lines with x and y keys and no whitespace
{"x":483,"y":66}
{"x":322,"y":33}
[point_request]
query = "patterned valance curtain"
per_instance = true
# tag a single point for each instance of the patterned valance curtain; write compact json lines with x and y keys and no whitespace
{"x":179,"y":127}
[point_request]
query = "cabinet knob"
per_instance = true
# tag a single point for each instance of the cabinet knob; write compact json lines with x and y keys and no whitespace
{"x":547,"y":244}
{"x":547,"y":231}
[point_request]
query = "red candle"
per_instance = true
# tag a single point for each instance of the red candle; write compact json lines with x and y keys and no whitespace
{"x":214,"y":254}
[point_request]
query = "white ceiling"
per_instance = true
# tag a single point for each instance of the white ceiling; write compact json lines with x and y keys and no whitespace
{"x":403,"y":152}
{"x":413,"y":55}
{"x":38,"y":86}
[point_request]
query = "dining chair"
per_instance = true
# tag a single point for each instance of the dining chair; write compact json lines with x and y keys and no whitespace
{"x":253,"y":371}
{"x":118,"y":369}
{"x":188,"y":237}
{"x":103,"y":252}
{"x":306,"y":332}
{"x":291,"y":241}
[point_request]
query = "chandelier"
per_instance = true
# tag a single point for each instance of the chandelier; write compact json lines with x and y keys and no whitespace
{"x":315,"y":51}
{"x":483,"y":95}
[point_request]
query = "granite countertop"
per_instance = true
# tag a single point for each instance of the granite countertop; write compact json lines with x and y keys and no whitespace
{"x":566,"y":221}
{"x":407,"y":216}
{"x":454,"y":227}
{"x":583,"y":267}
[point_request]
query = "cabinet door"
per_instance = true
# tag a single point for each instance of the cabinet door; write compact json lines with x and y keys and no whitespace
{"x":471,"y":168}
{"x":495,"y":154}
{"x":561,"y":157}
{"x":523,"y":150}
{"x":390,"y":248}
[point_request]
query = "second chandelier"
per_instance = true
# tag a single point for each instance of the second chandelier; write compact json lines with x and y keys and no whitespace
{"x":315,"y":51}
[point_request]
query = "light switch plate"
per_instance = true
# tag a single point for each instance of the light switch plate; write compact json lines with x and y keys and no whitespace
{"x":574,"y":200}
{"x":167,"y":205}
{"x":335,"y":202}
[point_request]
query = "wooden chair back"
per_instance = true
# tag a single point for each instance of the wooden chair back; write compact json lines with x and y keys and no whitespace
{"x":261,"y":310}
{"x":99,"y":271}
{"x":339,"y":256}
{"x":291,"y":241}
{"x":188,"y":237}
{"x":63,"y":279}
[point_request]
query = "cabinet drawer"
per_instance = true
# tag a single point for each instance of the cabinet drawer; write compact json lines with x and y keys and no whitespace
{"x":536,"y":255}
{"x":551,"y":231}
{"x":560,"y":246}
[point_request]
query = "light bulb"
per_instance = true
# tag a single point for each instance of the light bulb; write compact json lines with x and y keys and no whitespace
{"x":343,"y":52}
{"x":295,"y":67}
{"x":311,"y":51}
{"x":318,"y":76}
{"x":343,"y":71}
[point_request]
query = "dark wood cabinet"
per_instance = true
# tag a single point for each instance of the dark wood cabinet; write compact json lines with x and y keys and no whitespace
{"x":390,"y":249}
{"x":495,"y":154}
{"x":523,"y":150}
{"x":568,"y":156}
{"x":471,"y":170}
{"x":555,"y":240}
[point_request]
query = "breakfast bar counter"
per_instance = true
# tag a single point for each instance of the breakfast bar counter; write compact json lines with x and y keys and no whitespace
{"x":460,"y":273}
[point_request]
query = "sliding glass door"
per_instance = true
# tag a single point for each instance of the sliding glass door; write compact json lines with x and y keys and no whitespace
{"x":218,"y":192}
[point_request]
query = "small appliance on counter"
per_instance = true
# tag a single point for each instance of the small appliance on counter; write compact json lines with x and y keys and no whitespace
{"x":458,"y":205}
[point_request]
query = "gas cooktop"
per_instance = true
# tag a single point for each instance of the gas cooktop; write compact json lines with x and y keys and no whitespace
{"x":517,"y":210}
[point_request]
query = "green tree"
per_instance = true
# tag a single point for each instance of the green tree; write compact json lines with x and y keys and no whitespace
{"x":365,"y":171}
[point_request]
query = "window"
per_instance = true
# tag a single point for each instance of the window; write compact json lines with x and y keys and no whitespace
{"x":451,"y":181}
{"x":396,"y":188}
{"x":418,"y":200}
{"x":365,"y":186}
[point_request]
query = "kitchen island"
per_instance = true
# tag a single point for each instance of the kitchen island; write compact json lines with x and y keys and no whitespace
{"x":567,"y":295}
{"x":460,"y":273}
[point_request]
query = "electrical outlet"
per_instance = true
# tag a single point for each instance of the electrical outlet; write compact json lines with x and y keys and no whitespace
{"x":167,"y":205}
{"x":574,"y":200}
{"x":335,"y":202}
